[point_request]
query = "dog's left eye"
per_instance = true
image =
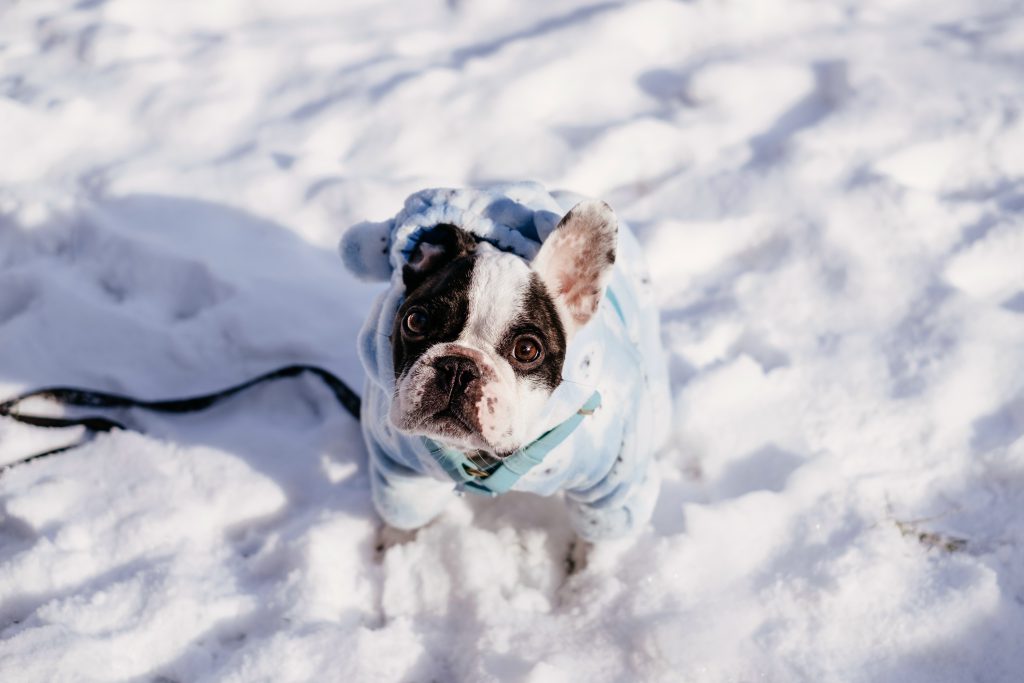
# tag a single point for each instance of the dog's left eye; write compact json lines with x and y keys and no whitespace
{"x":527,"y":350}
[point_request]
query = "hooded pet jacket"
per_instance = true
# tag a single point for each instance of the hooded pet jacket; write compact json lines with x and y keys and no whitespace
{"x":605,"y":466}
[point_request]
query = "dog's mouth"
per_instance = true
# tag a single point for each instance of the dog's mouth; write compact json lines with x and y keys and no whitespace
{"x":452,"y":424}
{"x":450,"y":417}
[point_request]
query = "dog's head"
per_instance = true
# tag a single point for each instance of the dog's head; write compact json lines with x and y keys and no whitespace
{"x":481,"y":337}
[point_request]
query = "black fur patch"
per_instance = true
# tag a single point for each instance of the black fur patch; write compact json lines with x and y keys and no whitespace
{"x":538,"y":317}
{"x":444,"y":295}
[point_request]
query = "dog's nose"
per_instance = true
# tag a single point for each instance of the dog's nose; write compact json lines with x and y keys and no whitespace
{"x":456,"y":372}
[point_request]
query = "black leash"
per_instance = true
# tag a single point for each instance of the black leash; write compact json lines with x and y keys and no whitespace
{"x":94,"y":424}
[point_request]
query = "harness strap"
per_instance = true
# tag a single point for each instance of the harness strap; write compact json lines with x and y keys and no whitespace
{"x":614,"y":301}
{"x":503,"y":476}
{"x":71,"y":396}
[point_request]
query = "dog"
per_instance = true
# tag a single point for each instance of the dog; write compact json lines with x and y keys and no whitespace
{"x":517,"y":347}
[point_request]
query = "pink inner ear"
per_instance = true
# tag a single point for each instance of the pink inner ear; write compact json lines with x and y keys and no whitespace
{"x":576,"y":260}
{"x":579,"y":273}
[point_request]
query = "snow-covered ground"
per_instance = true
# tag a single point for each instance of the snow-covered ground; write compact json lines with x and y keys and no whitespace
{"x":831,"y":196}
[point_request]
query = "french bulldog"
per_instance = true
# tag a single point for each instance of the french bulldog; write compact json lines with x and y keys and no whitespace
{"x":516,"y":349}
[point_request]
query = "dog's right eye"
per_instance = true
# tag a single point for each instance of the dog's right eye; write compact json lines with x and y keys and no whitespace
{"x":527,"y":350}
{"x":416,"y":322}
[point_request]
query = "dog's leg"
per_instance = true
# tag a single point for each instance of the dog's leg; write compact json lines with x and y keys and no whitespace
{"x":627,"y":507}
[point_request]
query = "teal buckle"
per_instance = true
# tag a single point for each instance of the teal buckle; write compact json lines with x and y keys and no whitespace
{"x":502,"y":477}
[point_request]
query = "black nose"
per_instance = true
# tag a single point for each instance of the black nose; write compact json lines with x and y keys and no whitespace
{"x":455,"y":372}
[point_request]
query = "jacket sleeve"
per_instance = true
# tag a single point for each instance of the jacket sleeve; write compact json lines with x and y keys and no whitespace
{"x":404,"y":498}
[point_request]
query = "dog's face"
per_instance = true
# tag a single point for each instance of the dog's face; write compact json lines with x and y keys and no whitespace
{"x":481,"y":337}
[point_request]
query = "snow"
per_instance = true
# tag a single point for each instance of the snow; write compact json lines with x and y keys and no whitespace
{"x":830,"y":195}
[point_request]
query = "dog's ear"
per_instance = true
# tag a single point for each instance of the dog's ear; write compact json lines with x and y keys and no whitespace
{"x":437,"y":247}
{"x":575,"y":262}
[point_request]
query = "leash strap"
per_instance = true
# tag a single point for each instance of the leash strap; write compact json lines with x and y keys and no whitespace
{"x":502,"y":477}
{"x":94,"y":424}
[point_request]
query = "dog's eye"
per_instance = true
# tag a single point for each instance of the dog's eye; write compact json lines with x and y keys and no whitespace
{"x":527,"y":350}
{"x":416,"y":322}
